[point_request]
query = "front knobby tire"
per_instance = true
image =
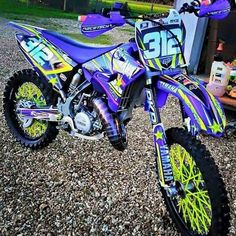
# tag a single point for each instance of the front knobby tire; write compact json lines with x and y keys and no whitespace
{"x":26,"y":85}
{"x":202,"y":208}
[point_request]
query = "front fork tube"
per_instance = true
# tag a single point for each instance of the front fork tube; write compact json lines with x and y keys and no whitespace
{"x":161,"y":148}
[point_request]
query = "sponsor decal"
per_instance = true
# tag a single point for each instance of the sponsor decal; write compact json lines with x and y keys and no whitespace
{"x":144,"y":25}
{"x":63,"y":77}
{"x":186,"y":81}
{"x":174,"y":21}
{"x":122,"y":63}
{"x":151,"y":106}
{"x":219,"y":12}
{"x":192,"y":87}
{"x":164,"y":162}
{"x":168,"y":86}
{"x":37,"y":50}
{"x":166,"y":62}
{"x":39,"y":114}
{"x":97,"y":27}
{"x":166,"y":165}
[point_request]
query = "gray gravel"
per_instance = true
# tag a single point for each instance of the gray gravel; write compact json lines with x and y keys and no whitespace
{"x":76,"y":187}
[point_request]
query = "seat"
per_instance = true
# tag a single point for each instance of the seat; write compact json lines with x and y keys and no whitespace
{"x":79,"y":52}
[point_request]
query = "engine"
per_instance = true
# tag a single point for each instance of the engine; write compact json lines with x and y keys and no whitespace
{"x":86,"y":121}
{"x":83,"y":122}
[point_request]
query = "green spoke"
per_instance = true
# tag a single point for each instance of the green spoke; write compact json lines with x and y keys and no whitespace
{"x":191,"y":178}
{"x":200,"y":198}
{"x":192,"y":218}
{"x":195,"y":205}
{"x":30,"y":92}
{"x":201,"y":212}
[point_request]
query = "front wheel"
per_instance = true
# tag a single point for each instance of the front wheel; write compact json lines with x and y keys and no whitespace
{"x":201,"y":206}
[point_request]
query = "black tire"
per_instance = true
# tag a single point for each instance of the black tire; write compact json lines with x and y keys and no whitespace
{"x":220,"y":219}
{"x":9,"y":104}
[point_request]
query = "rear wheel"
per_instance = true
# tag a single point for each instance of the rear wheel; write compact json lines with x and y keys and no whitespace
{"x":201,"y":207}
{"x":23,"y":88}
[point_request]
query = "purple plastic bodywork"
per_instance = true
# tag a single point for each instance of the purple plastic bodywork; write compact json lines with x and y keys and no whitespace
{"x":218,"y":10}
{"x":203,"y":109}
{"x":96,"y":24}
{"x":77,"y":51}
{"x":113,"y":72}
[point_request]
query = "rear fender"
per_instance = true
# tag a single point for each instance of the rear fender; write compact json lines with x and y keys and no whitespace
{"x":47,"y":60}
{"x":203,"y":111}
{"x":28,"y":30}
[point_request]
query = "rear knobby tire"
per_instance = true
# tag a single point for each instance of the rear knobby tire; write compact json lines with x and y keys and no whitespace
{"x":220,"y":220}
{"x":9,"y":106}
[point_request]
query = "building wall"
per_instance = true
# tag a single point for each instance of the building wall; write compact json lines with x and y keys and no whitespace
{"x":195,"y":29}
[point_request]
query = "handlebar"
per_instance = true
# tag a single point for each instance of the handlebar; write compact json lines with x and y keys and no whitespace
{"x":193,"y":7}
{"x":218,"y":10}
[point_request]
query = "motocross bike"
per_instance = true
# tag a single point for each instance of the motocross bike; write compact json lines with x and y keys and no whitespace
{"x":91,"y":92}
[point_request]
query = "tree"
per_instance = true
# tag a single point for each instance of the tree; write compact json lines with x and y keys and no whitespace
{"x":64,"y":5}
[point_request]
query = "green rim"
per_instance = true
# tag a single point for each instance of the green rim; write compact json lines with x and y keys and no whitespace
{"x":28,"y":91}
{"x":194,"y":205}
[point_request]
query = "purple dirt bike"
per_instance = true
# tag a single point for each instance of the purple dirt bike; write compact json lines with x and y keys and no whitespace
{"x":91,"y":92}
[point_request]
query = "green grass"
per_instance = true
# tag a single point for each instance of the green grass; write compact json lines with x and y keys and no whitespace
{"x":129,"y":30}
{"x":19,"y":8}
{"x":140,"y":7}
{"x":102,"y":39}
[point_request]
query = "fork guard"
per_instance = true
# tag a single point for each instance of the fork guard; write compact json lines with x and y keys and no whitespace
{"x":202,"y":112}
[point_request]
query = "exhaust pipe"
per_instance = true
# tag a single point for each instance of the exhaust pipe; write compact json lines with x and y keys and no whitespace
{"x":116,"y":131}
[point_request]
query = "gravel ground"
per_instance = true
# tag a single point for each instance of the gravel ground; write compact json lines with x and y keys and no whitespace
{"x":76,"y":187}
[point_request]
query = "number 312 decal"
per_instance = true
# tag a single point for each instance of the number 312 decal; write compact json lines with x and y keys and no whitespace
{"x":162,"y":43}
{"x":39,"y":51}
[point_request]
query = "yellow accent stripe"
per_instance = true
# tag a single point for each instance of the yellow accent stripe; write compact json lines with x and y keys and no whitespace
{"x":29,"y":29}
{"x":189,"y":104}
{"x":116,"y":67}
{"x":115,"y":91}
{"x":105,"y":61}
{"x":97,"y":65}
{"x":151,"y":63}
{"x":173,"y":64}
{"x":109,"y":60}
{"x":218,"y":109}
{"x":180,"y":59}
{"x":142,"y":45}
{"x":108,"y":56}
{"x":158,"y":63}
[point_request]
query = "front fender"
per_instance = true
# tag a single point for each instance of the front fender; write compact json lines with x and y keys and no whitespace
{"x":203,"y":111}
